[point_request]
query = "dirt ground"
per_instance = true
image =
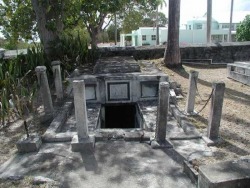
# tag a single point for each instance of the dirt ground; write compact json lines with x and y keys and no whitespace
{"x":235,"y":122}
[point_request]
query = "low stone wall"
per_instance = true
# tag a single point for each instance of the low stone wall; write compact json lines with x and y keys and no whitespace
{"x":218,"y":53}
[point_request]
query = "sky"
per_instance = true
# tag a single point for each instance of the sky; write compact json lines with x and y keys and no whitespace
{"x":220,"y":9}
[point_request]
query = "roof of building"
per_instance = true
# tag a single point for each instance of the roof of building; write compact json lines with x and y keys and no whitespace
{"x":223,"y":17}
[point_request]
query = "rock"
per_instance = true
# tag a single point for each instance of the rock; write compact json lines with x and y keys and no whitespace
{"x":15,"y":178}
{"x":37,"y":180}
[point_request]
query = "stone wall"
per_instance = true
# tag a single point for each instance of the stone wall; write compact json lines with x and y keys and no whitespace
{"x":219,"y":52}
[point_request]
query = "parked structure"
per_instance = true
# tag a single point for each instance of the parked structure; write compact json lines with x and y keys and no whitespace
{"x":194,"y":32}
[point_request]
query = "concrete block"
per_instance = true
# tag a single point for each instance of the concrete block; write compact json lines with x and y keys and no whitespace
{"x":136,"y":136}
{"x":83,"y":145}
{"x":159,"y":145}
{"x":228,"y":174}
{"x":30,"y":144}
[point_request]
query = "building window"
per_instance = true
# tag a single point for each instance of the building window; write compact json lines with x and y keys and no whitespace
{"x":198,"y":26}
{"x":216,"y":38}
{"x":190,"y":27}
{"x":144,"y":37}
{"x":153,"y":37}
{"x":225,"y":26}
{"x":225,"y":38}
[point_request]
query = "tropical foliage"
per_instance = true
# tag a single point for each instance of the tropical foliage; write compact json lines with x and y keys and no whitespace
{"x":243,"y":31}
{"x":18,"y":85}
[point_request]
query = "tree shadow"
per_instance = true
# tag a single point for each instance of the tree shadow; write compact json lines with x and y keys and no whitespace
{"x":233,"y":118}
{"x":232,"y":148}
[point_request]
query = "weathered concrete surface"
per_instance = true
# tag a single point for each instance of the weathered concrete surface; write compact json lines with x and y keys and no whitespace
{"x":30,"y":144}
{"x":114,"y":164}
{"x":215,"y":110}
{"x":218,"y":53}
{"x":228,"y":174}
{"x":116,"y":64}
{"x":193,"y":76}
{"x":162,"y":112}
{"x":56,"y":68}
{"x":239,"y":71}
{"x":45,"y":90}
{"x":192,"y":148}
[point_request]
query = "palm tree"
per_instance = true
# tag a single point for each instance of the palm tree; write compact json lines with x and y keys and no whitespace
{"x":230,"y":25}
{"x":209,"y":19}
{"x":172,"y":53}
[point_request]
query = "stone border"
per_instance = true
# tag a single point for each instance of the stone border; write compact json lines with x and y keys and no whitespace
{"x":186,"y":125}
{"x":190,"y":171}
{"x":51,"y":134}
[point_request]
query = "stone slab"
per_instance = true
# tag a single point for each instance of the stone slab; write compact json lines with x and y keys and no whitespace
{"x":228,"y":174}
{"x":113,"y":164}
{"x":192,"y":148}
{"x":125,"y":64}
{"x":30,"y":144}
{"x":58,"y":137}
{"x":83,"y":145}
{"x":239,"y":71}
{"x":137,"y":136}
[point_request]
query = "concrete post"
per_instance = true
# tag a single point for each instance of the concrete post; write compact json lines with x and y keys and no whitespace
{"x":162,"y":112}
{"x":56,"y":68}
{"x":82,"y":142}
{"x":215,"y":110}
{"x":80,"y":109}
{"x":193,"y":76}
{"x":44,"y":90}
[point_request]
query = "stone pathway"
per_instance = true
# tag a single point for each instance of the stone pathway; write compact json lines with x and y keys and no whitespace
{"x":113,"y":164}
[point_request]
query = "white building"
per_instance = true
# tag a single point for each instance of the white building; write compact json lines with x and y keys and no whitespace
{"x":194,"y":33}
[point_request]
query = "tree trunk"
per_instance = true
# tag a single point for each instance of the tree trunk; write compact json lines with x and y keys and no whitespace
{"x":209,"y":20}
{"x":172,"y":52}
{"x":231,"y":19}
{"x":93,"y":32}
{"x":47,"y":35}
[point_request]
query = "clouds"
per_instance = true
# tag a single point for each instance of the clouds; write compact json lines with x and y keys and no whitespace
{"x":242,"y":5}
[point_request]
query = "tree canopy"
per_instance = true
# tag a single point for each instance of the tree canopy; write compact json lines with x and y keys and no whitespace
{"x":243,"y":31}
{"x":17,"y":20}
{"x":23,"y":19}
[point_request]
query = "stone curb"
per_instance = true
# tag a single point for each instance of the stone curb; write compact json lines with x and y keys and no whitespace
{"x":59,"y":137}
{"x":186,"y":125}
{"x":190,"y":171}
{"x":51,"y":134}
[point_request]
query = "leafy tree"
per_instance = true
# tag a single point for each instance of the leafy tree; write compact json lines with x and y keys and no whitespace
{"x":132,"y":21}
{"x":16,"y":20}
{"x":23,"y":18}
{"x":94,"y":13}
{"x":150,"y":20}
{"x":141,"y":15}
{"x":243,"y":31}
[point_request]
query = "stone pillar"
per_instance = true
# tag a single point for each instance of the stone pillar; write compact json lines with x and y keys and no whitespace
{"x":82,"y":141}
{"x":44,"y":90}
{"x":56,"y":68}
{"x":215,"y":110}
{"x":162,"y":112}
{"x":80,"y":109}
{"x":193,"y":76}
